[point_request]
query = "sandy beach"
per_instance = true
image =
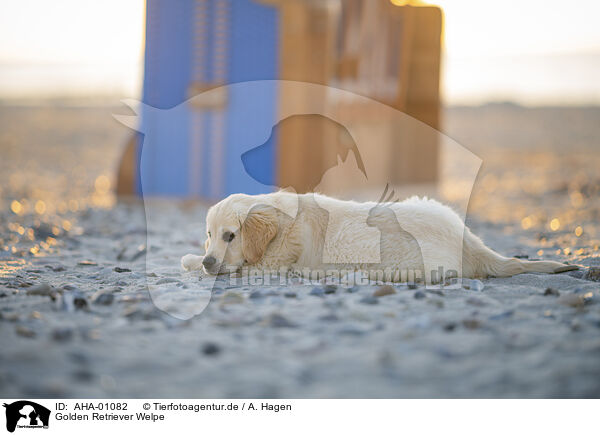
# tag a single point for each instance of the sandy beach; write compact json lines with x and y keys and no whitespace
{"x":77,"y":319}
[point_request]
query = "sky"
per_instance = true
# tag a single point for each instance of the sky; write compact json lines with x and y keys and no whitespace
{"x":528,"y":51}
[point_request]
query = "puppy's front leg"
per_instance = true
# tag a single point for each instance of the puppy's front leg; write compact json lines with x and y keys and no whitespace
{"x":192,"y":262}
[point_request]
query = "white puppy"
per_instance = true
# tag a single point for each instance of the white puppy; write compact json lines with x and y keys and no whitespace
{"x":416,"y":235}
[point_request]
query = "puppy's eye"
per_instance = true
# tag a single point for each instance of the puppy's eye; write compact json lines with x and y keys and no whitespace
{"x":228,"y":236}
{"x":209,"y":235}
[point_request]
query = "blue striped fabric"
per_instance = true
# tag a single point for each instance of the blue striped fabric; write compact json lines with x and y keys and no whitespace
{"x":200,"y":44}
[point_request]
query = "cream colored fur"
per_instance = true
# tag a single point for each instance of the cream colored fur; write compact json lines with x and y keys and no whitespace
{"x":416,"y":234}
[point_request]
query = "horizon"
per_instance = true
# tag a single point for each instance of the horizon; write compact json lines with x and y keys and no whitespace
{"x":550,"y":56}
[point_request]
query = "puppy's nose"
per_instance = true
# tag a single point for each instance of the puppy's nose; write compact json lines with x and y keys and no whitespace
{"x":209,"y":261}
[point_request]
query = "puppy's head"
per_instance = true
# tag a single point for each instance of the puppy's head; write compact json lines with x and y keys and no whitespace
{"x":238,"y":233}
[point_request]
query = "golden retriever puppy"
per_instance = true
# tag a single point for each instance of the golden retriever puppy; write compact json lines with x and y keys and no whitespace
{"x":418,"y":236}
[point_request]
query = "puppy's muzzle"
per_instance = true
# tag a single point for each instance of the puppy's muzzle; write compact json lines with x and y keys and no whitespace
{"x":210,"y":264}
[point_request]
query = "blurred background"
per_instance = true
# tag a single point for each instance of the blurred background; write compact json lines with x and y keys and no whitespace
{"x":531,"y":52}
{"x":517,"y":86}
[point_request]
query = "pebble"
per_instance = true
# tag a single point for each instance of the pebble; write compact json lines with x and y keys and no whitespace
{"x":166,"y":280}
{"x":551,"y":292}
{"x":87,"y":263}
{"x":231,"y":297}
{"x":62,"y":334}
{"x":317,"y":291}
{"x":473,"y":284}
{"x":384,"y":290}
{"x":71,"y":301}
{"x":419,"y":295}
{"x":256,"y":294}
{"x":436,"y":303}
{"x":121,"y":269}
{"x":69,"y":287}
{"x":471,"y":323}
{"x":412,"y":285}
{"x":290,"y":294}
{"x":451,"y":326}
{"x":211,"y":349}
{"x":329,"y":289}
{"x":103,"y":297}
{"x":43,"y":289}
{"x":353,"y":289}
{"x":278,"y":321}
{"x":476,"y":302}
{"x":351,"y":330}
{"x":144,"y":311}
{"x":576,"y":300}
{"x":504,"y":315}
{"x":369,"y":300}
{"x":24,"y":331}
{"x":592,"y":274}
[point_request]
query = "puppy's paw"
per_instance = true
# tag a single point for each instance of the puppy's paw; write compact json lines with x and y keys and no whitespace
{"x":192,"y":262}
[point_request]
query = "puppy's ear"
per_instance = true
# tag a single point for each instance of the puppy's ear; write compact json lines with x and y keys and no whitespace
{"x":259,"y":228}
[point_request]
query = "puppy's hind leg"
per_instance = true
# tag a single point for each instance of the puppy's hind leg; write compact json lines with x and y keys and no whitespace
{"x":192,"y":262}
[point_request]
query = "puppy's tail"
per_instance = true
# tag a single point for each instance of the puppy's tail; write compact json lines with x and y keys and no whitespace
{"x":497,"y":265}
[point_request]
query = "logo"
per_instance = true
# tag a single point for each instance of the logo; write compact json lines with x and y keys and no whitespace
{"x":26,"y":414}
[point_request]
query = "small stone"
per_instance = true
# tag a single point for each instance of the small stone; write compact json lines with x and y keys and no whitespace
{"x":62,"y":334}
{"x":551,"y":292}
{"x":369,"y":300}
{"x":502,"y":316}
{"x":166,"y":280}
{"x":476,"y":302}
{"x":384,"y":290}
{"x":572,"y":300}
{"x":351,"y":330}
{"x":353,"y":289}
{"x":450,"y":326}
{"x":575,"y":325}
{"x":121,"y":269}
{"x":473,"y":284}
{"x":592,"y":274}
{"x":24,"y":331}
{"x":329,"y":289}
{"x":87,"y":263}
{"x":290,"y":294}
{"x":329,"y":318}
{"x":278,"y":321}
{"x":69,"y":287}
{"x":419,"y":295}
{"x":231,"y":297}
{"x":436,"y":303}
{"x":103,"y":298}
{"x":471,"y":323}
{"x":256,"y":294}
{"x":11,"y":317}
{"x":211,"y":349}
{"x":71,"y":301}
{"x":83,"y":375}
{"x":317,"y":291}
{"x":412,"y":285}
{"x":42,"y":290}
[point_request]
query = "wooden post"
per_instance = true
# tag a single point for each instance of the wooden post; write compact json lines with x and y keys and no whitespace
{"x":308,"y":30}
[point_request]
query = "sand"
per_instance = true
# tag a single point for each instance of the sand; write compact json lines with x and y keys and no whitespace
{"x":77,"y":319}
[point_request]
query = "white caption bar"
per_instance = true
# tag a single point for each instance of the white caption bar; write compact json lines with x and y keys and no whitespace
{"x":265,"y":416}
